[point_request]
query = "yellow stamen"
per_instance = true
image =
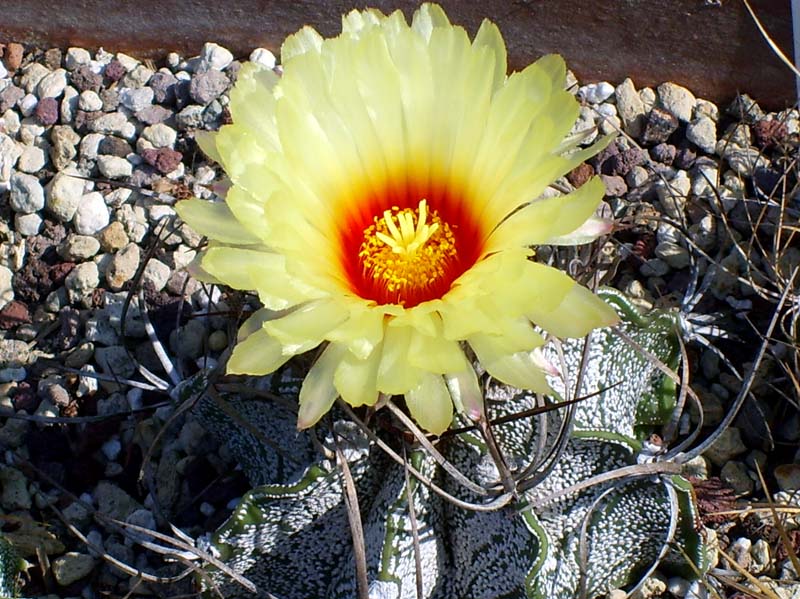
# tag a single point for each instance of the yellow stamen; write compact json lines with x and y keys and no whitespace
{"x":407,"y":251}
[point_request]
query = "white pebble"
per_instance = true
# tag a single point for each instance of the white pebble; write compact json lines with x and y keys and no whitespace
{"x":214,"y":56}
{"x":52,"y":85}
{"x":31,"y":160}
{"x":27,"y":224}
{"x":129,"y":62}
{"x":76,"y":57}
{"x":114,"y":167}
{"x":28,"y":104}
{"x":90,"y":101}
{"x":91,"y":215}
{"x":263,"y":57}
{"x":595,"y":93}
{"x":207,"y":509}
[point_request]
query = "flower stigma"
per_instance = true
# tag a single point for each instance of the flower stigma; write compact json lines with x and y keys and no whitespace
{"x":407,"y":254}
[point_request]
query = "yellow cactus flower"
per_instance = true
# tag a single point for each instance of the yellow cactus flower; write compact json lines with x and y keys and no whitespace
{"x":386,"y":192}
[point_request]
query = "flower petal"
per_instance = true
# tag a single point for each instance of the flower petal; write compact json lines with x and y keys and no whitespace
{"x":318,"y":391}
{"x":356,"y":379}
{"x":430,"y":404}
{"x":214,"y":220}
{"x":466,"y":393}
{"x":592,"y":229}
{"x":361,"y":332}
{"x":306,"y":327}
{"x":395,"y":374}
{"x":489,"y":36}
{"x":253,"y":103}
{"x":578,"y":313}
{"x":305,"y":40}
{"x":544,"y":219}
{"x":258,"y":355}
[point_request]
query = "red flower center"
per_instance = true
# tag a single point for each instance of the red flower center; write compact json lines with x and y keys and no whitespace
{"x":408,"y":243}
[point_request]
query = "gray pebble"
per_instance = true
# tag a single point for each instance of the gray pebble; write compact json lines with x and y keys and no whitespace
{"x":27,"y":194}
{"x":63,"y":140}
{"x":673,"y":254}
{"x":726,"y":447}
{"x":135,"y":99}
{"x":115,"y":360}
{"x":156,"y":273}
{"x":735,"y":474}
{"x":81,"y":281}
{"x":114,"y":167}
{"x":9,"y":153}
{"x":788,"y":477}
{"x":188,"y":341}
{"x":71,"y":567}
{"x":32,"y":74}
{"x":14,"y":485}
{"x":77,"y":248}
{"x":113,"y":501}
{"x":191,"y":117}
{"x":208,"y":86}
{"x":138,"y":77}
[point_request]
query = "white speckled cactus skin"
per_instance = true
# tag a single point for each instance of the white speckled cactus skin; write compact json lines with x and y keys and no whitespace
{"x":290,"y":535}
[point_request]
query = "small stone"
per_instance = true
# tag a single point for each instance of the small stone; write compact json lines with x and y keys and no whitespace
{"x":52,"y":58}
{"x":114,"y":146}
{"x":193,"y":438}
{"x":685,"y":158}
{"x":31,"y":160}
{"x":137,"y":98}
{"x":673,"y":254}
{"x":13,"y":314}
{"x":90,"y":101}
{"x":659,"y":125}
{"x":165,"y":160}
{"x":91,"y":215}
{"x":217,"y":341}
{"x":113,"y":123}
{"x":156,"y":273}
{"x":580,"y":174}
{"x":81,"y":281}
{"x":12,"y":56}
{"x":114,"y":167}
{"x":745,"y":108}
{"x":702,"y":132}
{"x":163,"y":85}
{"x":734,"y":474}
{"x":72,"y":567}
{"x":788,"y":477}
{"x":115,"y":360}
{"x":110,"y":98}
{"x":76,"y":57}
{"x":64,"y":193}
{"x":14,"y":485}
{"x":761,"y":556}
{"x":677,"y":100}
{"x":677,"y":586}
{"x":744,"y":161}
{"x":84,"y":78}
{"x":9,"y":97}
{"x":32,"y":74}
{"x":122,"y":266}
{"x":46,"y":111}
{"x":113,"y":501}
{"x":52,"y":85}
{"x":14,"y":353}
{"x":27,"y":194}
{"x":77,"y":248}
{"x":263,"y":57}
{"x":188,"y":341}
{"x":654,"y":586}
{"x":654,"y":267}
{"x":622,"y":162}
{"x":113,"y":237}
{"x":214,"y":56}
{"x":740,"y":551}
{"x":6,"y":286}
{"x":138,"y":77}
{"x":615,"y":185}
{"x":9,"y":153}
{"x":637,"y":177}
{"x":153,"y":114}
{"x":27,"y":224}
{"x":727,"y":446}
{"x":27,"y":105}
{"x":191,"y":117}
{"x":160,"y":135}
{"x":115,"y":70}
{"x":769,"y":133}
{"x":208,"y":86}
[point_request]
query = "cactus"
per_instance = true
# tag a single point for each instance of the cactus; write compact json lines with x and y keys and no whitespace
{"x":594,"y":502}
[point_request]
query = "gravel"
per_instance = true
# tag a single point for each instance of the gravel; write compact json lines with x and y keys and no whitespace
{"x":95,"y":148}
